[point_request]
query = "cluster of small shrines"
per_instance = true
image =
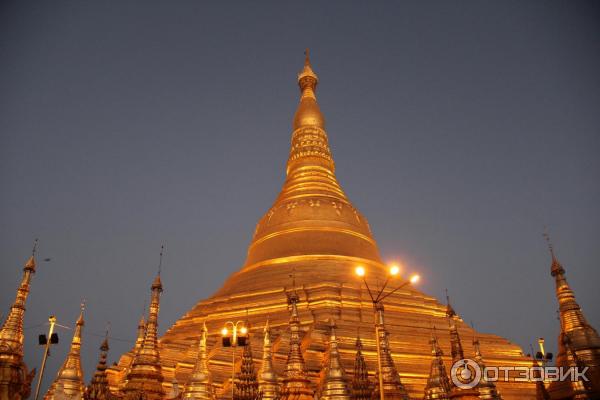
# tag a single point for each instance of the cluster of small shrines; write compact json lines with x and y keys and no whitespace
{"x":578,"y":347}
{"x":314,"y":231}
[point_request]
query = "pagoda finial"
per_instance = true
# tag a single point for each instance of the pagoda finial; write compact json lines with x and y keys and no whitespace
{"x":392,"y":385}
{"x":308,"y":113}
{"x":98,"y":387}
{"x":362,"y":388}
{"x":18,"y":383}
{"x":267,"y":378}
{"x":69,"y":380}
{"x":296,"y":385}
{"x":438,"y":384}
{"x":246,"y":382}
{"x":145,"y":375}
{"x":200,"y":385}
{"x":574,"y":329}
{"x":487,"y":389}
{"x":335,"y":384}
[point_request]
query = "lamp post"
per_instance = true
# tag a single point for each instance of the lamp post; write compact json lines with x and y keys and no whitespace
{"x":233,"y":339}
{"x":52,"y":338}
{"x":378,"y":309}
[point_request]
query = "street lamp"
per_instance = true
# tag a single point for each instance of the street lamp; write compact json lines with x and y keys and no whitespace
{"x":233,"y":339}
{"x":378,"y":308}
{"x":44,"y":340}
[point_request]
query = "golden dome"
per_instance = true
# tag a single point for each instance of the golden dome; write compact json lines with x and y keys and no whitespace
{"x":311,"y":215}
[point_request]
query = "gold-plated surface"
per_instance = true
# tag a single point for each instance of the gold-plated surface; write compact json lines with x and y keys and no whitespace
{"x":98,"y":388}
{"x":68,"y":384}
{"x":15,"y":378}
{"x":362,"y":389}
{"x":313,"y":232}
{"x":487,"y":388}
{"x":199,"y":386}
{"x":296,"y":385}
{"x":145,"y":376}
{"x":578,"y":342}
{"x":335,"y":384}
{"x":246,"y":380}
{"x":267,"y":377}
{"x":393,"y":388}
{"x":438,"y":385}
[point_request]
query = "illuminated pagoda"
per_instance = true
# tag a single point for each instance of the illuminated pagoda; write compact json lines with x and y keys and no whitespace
{"x":313,"y":231}
{"x":15,"y":378}
{"x":578,"y":342}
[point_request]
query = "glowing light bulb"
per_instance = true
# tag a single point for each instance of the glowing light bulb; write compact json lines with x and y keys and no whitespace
{"x":360,"y":270}
{"x":414,"y":279}
{"x":244,"y":330}
{"x":394,"y":270}
{"x":224,"y":331}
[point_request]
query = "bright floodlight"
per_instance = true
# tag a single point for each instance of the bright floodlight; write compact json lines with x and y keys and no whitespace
{"x":415,"y":278}
{"x":360,"y":270}
{"x":394,"y":270}
{"x":224,"y":331}
{"x":244,"y":330}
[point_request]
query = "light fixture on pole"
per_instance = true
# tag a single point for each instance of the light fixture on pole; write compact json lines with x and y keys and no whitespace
{"x":51,"y":339}
{"x":378,"y":309}
{"x":233,"y":339}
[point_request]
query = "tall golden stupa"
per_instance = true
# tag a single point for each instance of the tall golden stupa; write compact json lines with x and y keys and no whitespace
{"x":305,"y":248}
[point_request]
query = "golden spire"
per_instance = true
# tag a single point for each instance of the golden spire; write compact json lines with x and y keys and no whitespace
{"x":487,"y":389}
{"x":392,"y":385}
{"x":141,"y":333}
{"x":438,"y":385}
{"x":456,"y":349}
{"x":335,"y":384}
{"x":246,"y":382}
{"x":200,"y":385}
{"x":575,"y":333}
{"x":15,"y":385}
{"x":145,"y":376}
{"x":69,"y":380}
{"x":98,"y":387}
{"x":296,"y":385}
{"x":267,"y":378}
{"x":361,"y":386}
{"x":312,"y":208}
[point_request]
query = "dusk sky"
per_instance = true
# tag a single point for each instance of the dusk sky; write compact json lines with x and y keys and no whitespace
{"x":459,"y":129}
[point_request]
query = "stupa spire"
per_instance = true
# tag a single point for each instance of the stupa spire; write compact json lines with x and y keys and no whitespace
{"x":200,"y":385}
{"x":98,"y":387}
{"x":311,"y":200}
{"x":16,"y":385}
{"x":361,"y":386}
{"x":335,"y":384}
{"x":296,"y":385}
{"x":392,"y":385}
{"x":438,"y":384}
{"x":267,"y":378}
{"x":487,"y":389}
{"x":246,"y":382}
{"x":579,"y":342}
{"x":69,"y":380}
{"x":145,"y":376}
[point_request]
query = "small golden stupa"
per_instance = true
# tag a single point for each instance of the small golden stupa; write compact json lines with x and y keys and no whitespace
{"x":305,"y":248}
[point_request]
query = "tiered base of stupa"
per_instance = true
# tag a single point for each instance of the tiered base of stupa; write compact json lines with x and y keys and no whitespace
{"x":327,"y":289}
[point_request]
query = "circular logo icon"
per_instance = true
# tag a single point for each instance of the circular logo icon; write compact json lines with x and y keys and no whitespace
{"x":465,"y":373}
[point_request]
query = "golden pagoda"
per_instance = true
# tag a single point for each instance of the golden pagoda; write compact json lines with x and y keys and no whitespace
{"x":144,"y":378}
{"x":578,"y":342}
{"x":15,"y":379}
{"x":335,"y":384}
{"x":68,"y":384}
{"x":438,"y":384}
{"x":267,"y":378}
{"x":313,"y":232}
{"x":199,"y":386}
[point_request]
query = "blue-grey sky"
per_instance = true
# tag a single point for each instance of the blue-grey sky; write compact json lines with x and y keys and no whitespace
{"x":459,"y":129}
